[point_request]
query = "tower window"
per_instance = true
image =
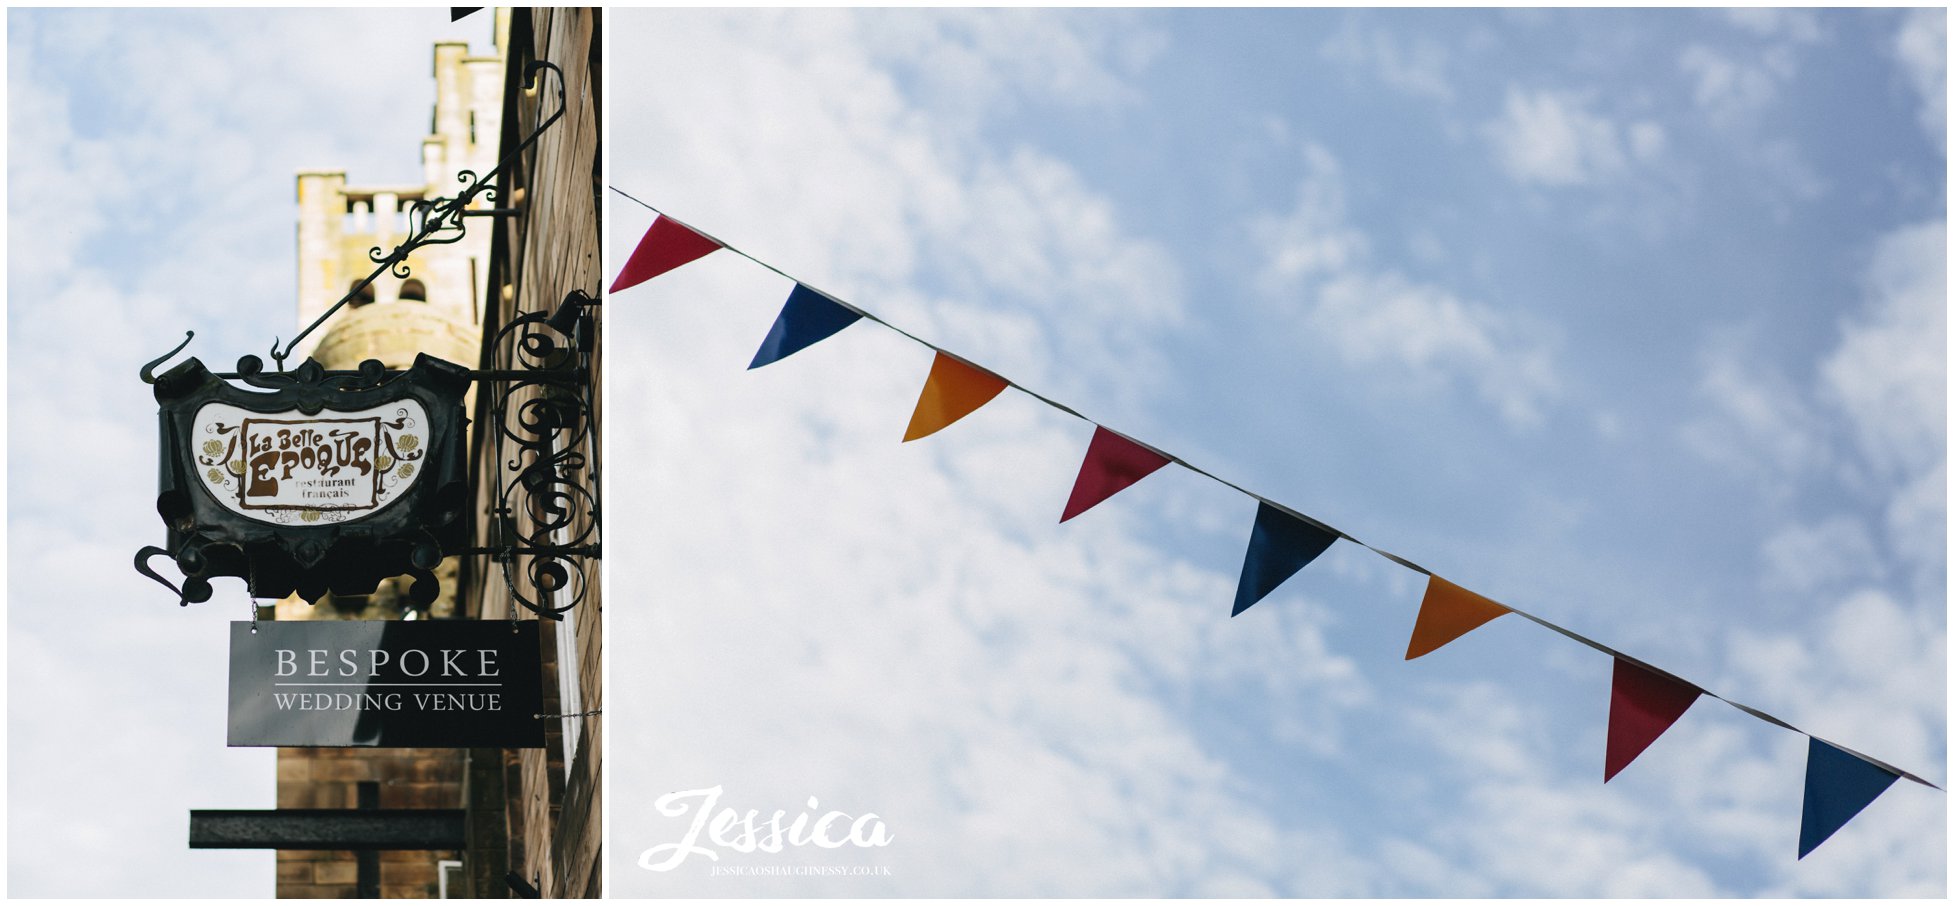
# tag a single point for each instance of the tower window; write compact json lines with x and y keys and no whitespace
{"x":366,"y":294}
{"x":413,"y":291}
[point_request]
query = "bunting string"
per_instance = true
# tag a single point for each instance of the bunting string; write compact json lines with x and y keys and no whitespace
{"x":1646,"y":699}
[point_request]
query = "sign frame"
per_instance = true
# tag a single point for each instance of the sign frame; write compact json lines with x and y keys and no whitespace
{"x":407,"y":535}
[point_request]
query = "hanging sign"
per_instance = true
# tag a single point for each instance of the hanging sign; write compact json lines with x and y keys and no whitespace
{"x":312,"y":481}
{"x":415,"y":683}
{"x":309,"y":470}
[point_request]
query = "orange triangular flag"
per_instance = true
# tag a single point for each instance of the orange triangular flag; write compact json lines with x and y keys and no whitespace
{"x":955,"y":389}
{"x":1447,"y":613}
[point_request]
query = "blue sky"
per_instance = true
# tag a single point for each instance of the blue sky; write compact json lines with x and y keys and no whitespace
{"x":151,"y":171}
{"x":1634,"y":320}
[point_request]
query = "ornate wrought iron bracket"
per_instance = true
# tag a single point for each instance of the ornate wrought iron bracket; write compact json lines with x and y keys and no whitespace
{"x":543,"y":455}
{"x":543,"y":460}
{"x":439,"y":221}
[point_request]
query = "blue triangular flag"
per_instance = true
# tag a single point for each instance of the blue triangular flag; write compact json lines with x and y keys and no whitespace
{"x":1838,"y":785}
{"x":806,"y":319}
{"x":1280,"y":545}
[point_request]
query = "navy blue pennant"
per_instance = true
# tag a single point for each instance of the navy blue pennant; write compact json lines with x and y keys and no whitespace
{"x":1280,"y":545}
{"x":1838,"y":785}
{"x":806,"y":319}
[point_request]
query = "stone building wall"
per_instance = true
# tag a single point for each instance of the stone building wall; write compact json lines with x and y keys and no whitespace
{"x":392,"y":778}
{"x":553,"y":817}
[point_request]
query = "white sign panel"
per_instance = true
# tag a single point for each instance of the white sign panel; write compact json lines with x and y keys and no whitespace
{"x":286,"y":468}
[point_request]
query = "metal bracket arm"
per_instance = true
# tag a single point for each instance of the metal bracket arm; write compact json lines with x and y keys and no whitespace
{"x":441,"y":220}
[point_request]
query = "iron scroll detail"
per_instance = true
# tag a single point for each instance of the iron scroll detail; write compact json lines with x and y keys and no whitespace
{"x":543,"y":444}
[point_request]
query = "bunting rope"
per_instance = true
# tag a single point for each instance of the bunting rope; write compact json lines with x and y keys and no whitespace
{"x":1646,"y":699}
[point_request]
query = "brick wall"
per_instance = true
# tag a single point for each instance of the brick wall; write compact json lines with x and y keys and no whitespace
{"x":392,"y":778}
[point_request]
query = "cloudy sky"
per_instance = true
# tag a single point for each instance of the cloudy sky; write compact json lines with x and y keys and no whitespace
{"x":1635,"y":321}
{"x":151,"y":161}
{"x":1631,"y":320}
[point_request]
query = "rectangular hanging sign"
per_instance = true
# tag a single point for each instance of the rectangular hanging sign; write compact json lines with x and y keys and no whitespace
{"x":394,"y":683}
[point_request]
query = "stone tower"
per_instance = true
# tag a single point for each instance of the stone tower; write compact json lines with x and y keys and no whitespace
{"x":435,"y":309}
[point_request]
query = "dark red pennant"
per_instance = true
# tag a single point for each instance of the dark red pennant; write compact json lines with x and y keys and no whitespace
{"x":1112,"y":464}
{"x":668,"y":244}
{"x":1643,"y":706}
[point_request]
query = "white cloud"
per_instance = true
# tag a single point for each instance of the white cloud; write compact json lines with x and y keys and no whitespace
{"x":1916,"y":530}
{"x":1883,"y":387}
{"x":1596,"y":157}
{"x":1756,"y":420}
{"x":1549,"y":138}
{"x":1506,"y":843}
{"x":1780,"y":162}
{"x":1806,"y":559}
{"x":1389,"y":322}
{"x":1733,"y":90}
{"x":1506,"y":835}
{"x":906,"y":188}
{"x":1419,"y":332}
{"x":1888,"y":376}
{"x":1736,"y":87}
{"x":1415,"y":66}
{"x":1312,"y":240}
{"x":964,"y":64}
{"x":1796,"y":25}
{"x":1647,"y":140}
{"x":53,"y":169}
{"x":1031,"y":229}
{"x":1887,"y":380}
{"x":1921,"y":46}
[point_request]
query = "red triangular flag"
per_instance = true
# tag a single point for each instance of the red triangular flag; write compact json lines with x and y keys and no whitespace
{"x":1112,"y":464}
{"x":1644,"y":704}
{"x":668,"y":244}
